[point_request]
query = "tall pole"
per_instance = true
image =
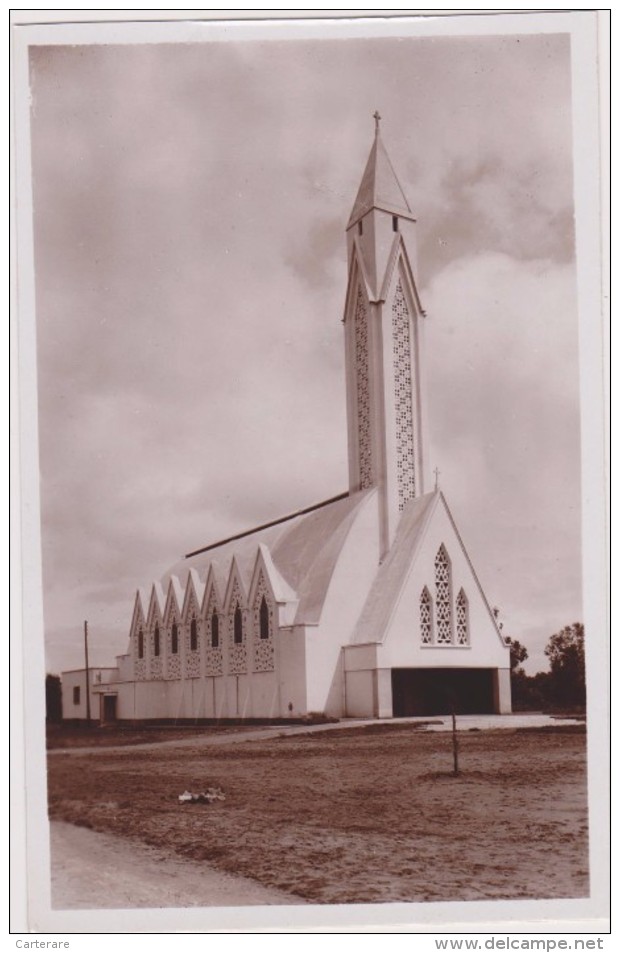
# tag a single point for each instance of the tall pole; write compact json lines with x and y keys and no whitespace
{"x":87,"y":674}
{"x":455,"y":745}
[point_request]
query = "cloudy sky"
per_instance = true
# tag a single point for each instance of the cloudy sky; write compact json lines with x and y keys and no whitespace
{"x":190,"y":202}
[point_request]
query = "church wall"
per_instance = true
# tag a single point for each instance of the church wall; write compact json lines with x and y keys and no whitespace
{"x":292,"y":672}
{"x":403,"y":647}
{"x":265,"y":696}
{"x":502,"y":692}
{"x":352,"y":577}
{"x":148,"y":700}
{"x":359,"y":687}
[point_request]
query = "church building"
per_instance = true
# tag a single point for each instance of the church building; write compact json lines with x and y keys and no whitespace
{"x":366,"y":605}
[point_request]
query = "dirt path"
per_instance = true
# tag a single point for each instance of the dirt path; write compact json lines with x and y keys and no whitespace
{"x":241,"y":735}
{"x":94,"y":870}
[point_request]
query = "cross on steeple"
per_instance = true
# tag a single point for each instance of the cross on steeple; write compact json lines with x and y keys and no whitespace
{"x":377,"y":118}
{"x":436,"y":471}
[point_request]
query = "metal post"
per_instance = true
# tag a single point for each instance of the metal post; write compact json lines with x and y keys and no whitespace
{"x":455,"y":745}
{"x":87,"y":674}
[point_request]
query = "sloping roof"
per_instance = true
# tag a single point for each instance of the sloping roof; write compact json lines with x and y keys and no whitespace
{"x":379,"y":187}
{"x":303,"y":549}
{"x":391,"y":577}
{"x":393,"y":571}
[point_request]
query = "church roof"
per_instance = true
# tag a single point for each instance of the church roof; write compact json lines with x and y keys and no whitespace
{"x":303,"y":549}
{"x":380,"y":187}
{"x":395,"y":567}
{"x":392,"y":574}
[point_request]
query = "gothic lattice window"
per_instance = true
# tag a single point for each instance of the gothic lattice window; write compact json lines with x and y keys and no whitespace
{"x":443,"y":597}
{"x":426,"y":617}
{"x":462,"y":627}
{"x":173,"y":658}
{"x":192,"y":655}
{"x":237,"y":641}
{"x":214,"y":658}
{"x":264,"y":625}
{"x":156,"y":669}
{"x":140,"y":644}
{"x":363,"y":392}
{"x":238,"y":626}
{"x":403,"y":397}
{"x":264,"y":619}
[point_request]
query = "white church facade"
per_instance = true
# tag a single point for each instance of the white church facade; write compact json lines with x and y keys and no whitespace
{"x":364,"y":605}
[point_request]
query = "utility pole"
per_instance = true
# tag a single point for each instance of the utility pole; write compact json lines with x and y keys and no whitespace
{"x":87,"y":674}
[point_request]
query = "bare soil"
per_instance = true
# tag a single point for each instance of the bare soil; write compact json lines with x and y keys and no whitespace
{"x":104,"y":871}
{"x":344,"y":816}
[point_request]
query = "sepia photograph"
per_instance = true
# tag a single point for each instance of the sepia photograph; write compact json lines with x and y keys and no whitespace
{"x":310,"y":328}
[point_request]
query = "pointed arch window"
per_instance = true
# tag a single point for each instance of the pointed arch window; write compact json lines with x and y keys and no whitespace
{"x":237,"y":626}
{"x":443,"y":597}
{"x":426,"y":617}
{"x":215,"y":630}
{"x":140,"y":643}
{"x":263,"y":619}
{"x":462,"y":619}
{"x":174,"y":639}
{"x":193,"y":636}
{"x":156,"y":646}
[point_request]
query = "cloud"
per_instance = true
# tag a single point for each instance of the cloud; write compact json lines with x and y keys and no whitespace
{"x":504,"y":420}
{"x":190,"y":202}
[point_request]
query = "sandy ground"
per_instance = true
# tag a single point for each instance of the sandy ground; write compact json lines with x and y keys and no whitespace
{"x":333,"y":815}
{"x":93,"y":871}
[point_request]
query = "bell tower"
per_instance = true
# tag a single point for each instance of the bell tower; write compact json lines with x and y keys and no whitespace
{"x":384,"y":332}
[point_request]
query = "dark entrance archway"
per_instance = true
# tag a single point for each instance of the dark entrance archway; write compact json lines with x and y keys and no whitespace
{"x":439,"y":691}
{"x":109,"y":709}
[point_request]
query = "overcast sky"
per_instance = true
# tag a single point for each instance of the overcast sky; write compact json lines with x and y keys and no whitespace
{"x":190,"y":205}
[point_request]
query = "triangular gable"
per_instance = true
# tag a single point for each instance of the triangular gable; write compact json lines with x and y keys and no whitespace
{"x":194,"y":593}
{"x":139,"y":611}
{"x":157,"y":605}
{"x":473,"y":571}
{"x":393,"y":575}
{"x":398,"y":257}
{"x":174,"y":600}
{"x":235,"y":585}
{"x":211,"y":598}
{"x":280,"y":589}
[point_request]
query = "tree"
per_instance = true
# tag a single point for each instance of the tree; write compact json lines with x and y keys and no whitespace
{"x":566,"y":653}
{"x":518,"y":654}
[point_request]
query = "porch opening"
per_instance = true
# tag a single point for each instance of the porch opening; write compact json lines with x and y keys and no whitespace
{"x":439,"y":691}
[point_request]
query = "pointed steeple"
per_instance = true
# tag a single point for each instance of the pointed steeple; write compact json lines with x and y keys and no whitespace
{"x":379,"y":187}
{"x":384,"y":332}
